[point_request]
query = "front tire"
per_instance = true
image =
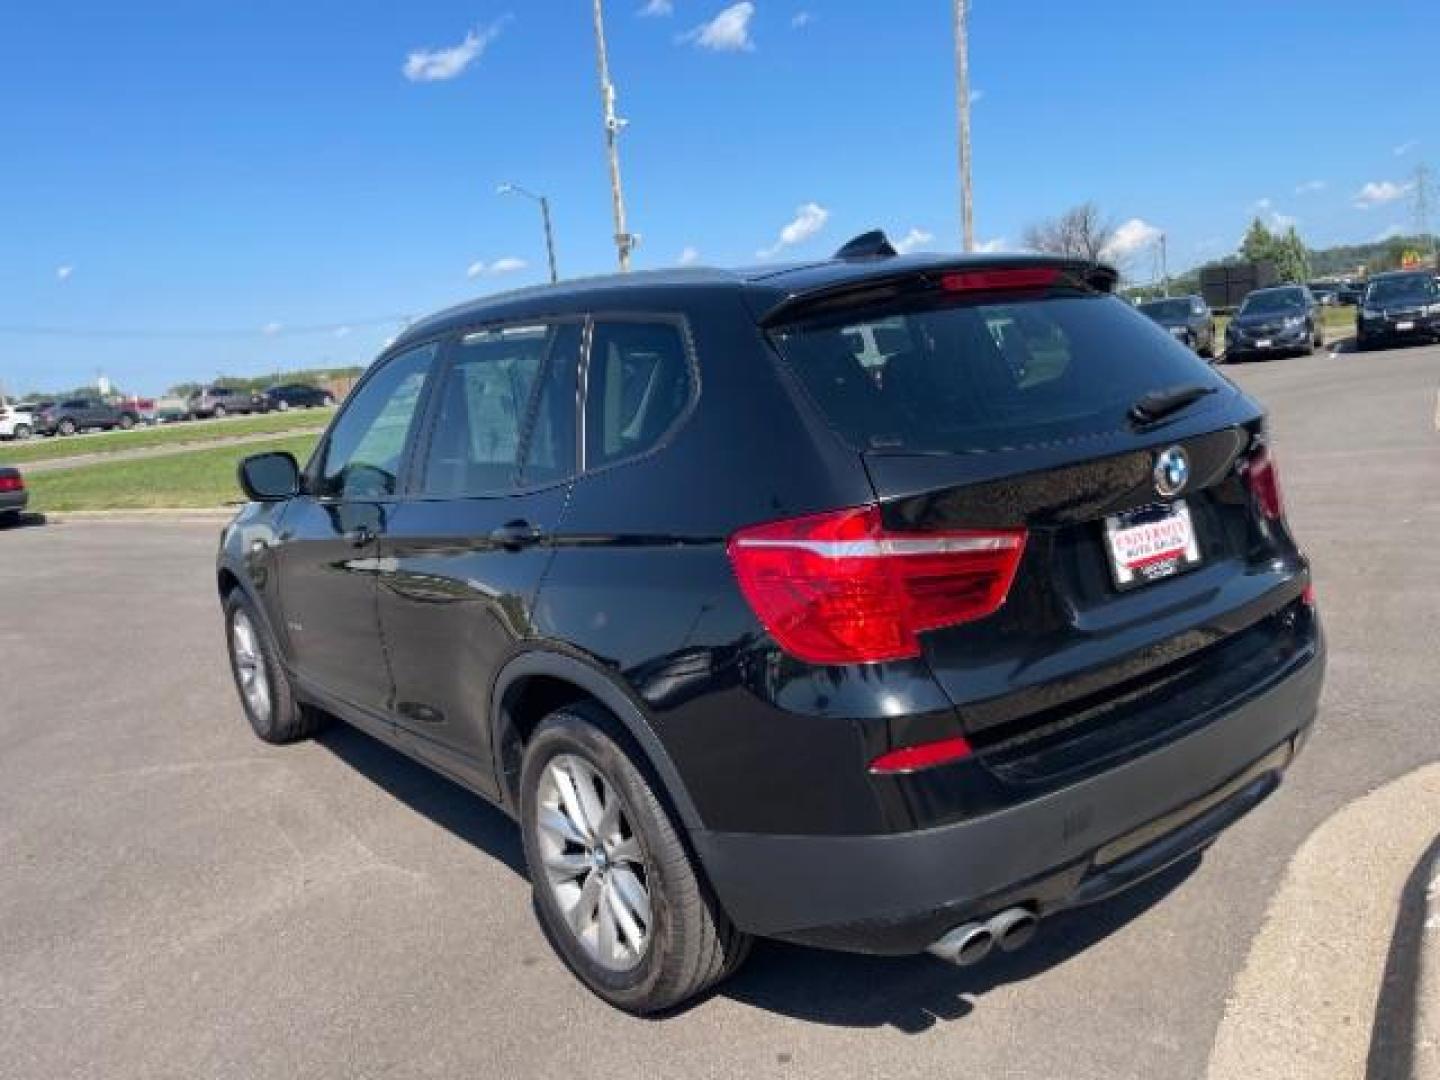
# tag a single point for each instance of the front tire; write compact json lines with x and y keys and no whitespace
{"x":218,"y":413}
{"x":22,"y":431}
{"x":67,"y":427}
{"x":126,"y":422}
{"x":265,"y":691}
{"x":615,"y":889}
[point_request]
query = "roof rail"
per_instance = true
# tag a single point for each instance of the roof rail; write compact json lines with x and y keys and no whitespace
{"x":871,"y":245}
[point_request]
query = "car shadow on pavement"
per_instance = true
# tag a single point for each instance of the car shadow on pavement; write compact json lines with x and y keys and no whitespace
{"x":447,"y":804}
{"x":915,"y":993}
{"x":24,"y":521}
{"x":909,"y":993}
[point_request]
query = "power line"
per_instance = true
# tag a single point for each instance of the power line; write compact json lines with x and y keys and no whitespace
{"x":146,"y":334}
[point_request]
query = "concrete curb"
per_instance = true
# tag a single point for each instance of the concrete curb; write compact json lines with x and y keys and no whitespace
{"x":179,"y":513}
{"x":1331,"y":987}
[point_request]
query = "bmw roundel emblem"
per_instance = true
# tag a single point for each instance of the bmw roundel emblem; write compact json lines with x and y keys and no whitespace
{"x":1172,"y":472}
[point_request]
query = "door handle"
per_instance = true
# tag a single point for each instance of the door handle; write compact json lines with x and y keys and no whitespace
{"x":360,"y":536}
{"x":514,"y":535}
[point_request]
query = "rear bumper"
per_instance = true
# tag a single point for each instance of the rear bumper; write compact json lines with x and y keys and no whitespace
{"x":13,"y":501}
{"x":897,"y":893}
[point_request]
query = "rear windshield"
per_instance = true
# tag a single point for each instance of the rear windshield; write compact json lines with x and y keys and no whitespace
{"x":1167,"y":309}
{"x":985,"y":376}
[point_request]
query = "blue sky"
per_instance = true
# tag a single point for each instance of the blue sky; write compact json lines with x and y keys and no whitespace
{"x":267,"y":185}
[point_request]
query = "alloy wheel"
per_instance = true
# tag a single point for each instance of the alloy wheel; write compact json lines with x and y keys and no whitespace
{"x":250,"y":666}
{"x":593,"y":863}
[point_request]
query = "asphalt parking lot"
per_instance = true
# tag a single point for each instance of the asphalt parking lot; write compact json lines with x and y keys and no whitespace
{"x":178,"y":899}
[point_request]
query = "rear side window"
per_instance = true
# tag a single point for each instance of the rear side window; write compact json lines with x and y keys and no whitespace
{"x":985,"y":376}
{"x":506,"y":413}
{"x":639,"y":383}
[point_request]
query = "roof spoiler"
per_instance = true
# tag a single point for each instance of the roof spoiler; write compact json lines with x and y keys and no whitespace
{"x":983,"y":276}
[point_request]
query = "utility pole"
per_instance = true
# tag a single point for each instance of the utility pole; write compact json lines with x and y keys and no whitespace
{"x":1420,"y":199}
{"x":962,"y":105}
{"x":516,"y":189}
{"x":1164,"y":268}
{"x":624,"y":240}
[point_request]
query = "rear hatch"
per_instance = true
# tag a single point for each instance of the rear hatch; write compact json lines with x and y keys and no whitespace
{"x":1158,"y":581}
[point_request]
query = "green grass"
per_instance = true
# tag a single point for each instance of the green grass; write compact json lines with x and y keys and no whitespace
{"x":202,"y":478}
{"x":202,"y":431}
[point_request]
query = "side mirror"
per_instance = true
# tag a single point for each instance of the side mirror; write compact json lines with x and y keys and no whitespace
{"x":271,"y":477}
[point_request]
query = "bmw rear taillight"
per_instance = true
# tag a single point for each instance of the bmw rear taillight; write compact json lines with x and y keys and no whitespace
{"x":1264,"y":482}
{"x":840,"y":588}
{"x":12,"y":483}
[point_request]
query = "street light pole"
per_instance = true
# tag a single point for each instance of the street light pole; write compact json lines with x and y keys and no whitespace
{"x":516,"y":189}
{"x":624,"y":240}
{"x":962,"y":104}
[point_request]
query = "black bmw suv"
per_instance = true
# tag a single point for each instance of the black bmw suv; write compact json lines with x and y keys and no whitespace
{"x":1399,"y":306}
{"x":887,"y":604}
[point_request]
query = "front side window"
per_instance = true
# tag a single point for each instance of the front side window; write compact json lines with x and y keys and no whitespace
{"x":639,"y":383}
{"x":363,"y":455}
{"x":505,"y":414}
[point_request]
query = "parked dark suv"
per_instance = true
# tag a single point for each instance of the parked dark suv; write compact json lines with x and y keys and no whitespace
{"x":81,"y":414}
{"x":1397,"y":307}
{"x":1274,"y":322}
{"x":1188,"y":318}
{"x":297,"y":396}
{"x":886,"y":604}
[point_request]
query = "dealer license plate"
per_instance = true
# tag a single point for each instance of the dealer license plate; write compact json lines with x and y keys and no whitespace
{"x":1151,"y":543}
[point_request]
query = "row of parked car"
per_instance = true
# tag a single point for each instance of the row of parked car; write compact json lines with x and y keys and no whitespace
{"x":69,"y":416}
{"x":1391,"y":308}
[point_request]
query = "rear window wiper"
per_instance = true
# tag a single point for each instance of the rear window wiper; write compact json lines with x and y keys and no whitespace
{"x":1158,"y":404}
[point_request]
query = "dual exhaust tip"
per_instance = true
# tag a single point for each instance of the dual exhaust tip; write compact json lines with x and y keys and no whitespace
{"x":970,"y":943}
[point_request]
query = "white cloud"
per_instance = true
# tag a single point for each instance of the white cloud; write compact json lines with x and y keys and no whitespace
{"x":989,"y":247}
{"x":801,"y":19}
{"x":62,"y":273}
{"x":976,"y":95}
{"x":1406,"y":146}
{"x":1265,"y":209}
{"x":689,"y":256}
{"x":270,"y":329}
{"x":1309,"y":187}
{"x":727,"y":32}
{"x":1388,"y":234}
{"x":914,"y":240}
{"x":507,"y":265}
{"x":436,"y":65}
{"x":1377,"y":192}
{"x":342,"y":331}
{"x":1132,"y":236}
{"x":809,"y":220}
{"x":657,"y":7}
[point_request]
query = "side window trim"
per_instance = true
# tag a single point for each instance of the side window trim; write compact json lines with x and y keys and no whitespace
{"x":310,"y":474}
{"x":687,"y":341}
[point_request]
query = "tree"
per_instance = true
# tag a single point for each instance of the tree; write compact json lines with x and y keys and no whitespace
{"x":1080,"y":232}
{"x":1286,"y":252}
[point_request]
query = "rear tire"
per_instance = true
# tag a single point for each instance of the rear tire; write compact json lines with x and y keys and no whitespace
{"x":22,"y":431}
{"x":67,"y":427}
{"x":601,"y":847}
{"x":265,"y":691}
{"x":219,"y":412}
{"x":126,"y":422}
